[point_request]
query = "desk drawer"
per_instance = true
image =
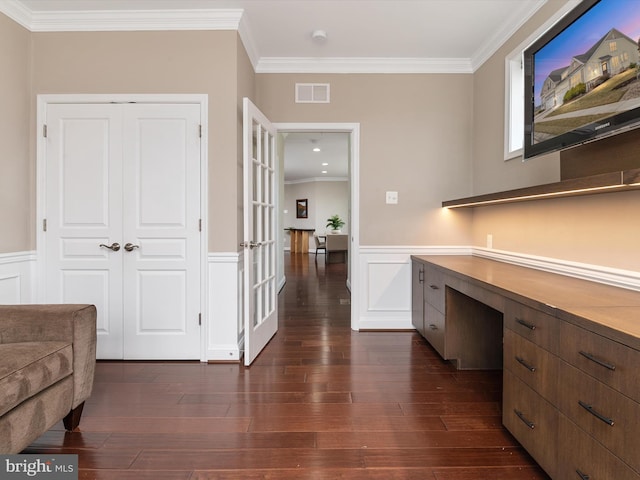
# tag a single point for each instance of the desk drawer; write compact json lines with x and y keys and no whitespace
{"x":532,"y":421}
{"x":434,"y":289}
{"x":535,"y":326}
{"x":610,"y":417}
{"x":580,"y":454}
{"x":533,"y":365}
{"x":610,"y":362}
{"x":434,"y":328}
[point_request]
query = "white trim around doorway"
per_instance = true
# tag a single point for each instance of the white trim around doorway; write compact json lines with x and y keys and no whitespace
{"x":354,"y":178}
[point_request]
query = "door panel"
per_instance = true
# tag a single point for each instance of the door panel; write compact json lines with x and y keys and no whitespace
{"x":84,"y":203}
{"x":260,"y":305}
{"x":161,"y":218}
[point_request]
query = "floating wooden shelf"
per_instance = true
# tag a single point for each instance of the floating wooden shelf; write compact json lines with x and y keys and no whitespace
{"x":593,"y":184}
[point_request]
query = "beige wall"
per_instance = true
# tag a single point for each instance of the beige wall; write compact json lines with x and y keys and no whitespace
{"x":415,"y":138}
{"x":598,"y":229}
{"x":246,"y":88}
{"x":16,"y":194}
{"x":158,"y":62}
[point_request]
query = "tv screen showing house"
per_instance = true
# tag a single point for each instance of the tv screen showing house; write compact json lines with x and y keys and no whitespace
{"x":584,"y":76}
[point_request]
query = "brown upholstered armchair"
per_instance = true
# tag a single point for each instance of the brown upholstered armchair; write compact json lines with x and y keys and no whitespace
{"x":47,"y":364}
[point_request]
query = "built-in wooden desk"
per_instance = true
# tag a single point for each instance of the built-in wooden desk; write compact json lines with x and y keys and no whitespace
{"x":569,"y":350}
{"x":300,"y":239}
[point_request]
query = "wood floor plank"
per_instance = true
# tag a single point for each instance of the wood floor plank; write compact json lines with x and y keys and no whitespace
{"x":250,"y":459}
{"x":446,"y":457}
{"x":484,"y":473}
{"x":319,"y":474}
{"x":415,"y":439}
{"x":347,"y":424}
{"x":321,"y":402}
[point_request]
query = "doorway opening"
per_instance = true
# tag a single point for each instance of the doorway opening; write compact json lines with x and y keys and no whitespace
{"x":328,"y":189}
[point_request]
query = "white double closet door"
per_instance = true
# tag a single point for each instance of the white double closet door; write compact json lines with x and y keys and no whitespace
{"x":122,"y":210}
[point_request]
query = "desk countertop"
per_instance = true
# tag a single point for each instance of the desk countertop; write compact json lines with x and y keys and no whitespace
{"x":610,"y":311}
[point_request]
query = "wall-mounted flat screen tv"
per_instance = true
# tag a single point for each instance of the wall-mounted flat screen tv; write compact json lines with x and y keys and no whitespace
{"x":581,"y":77}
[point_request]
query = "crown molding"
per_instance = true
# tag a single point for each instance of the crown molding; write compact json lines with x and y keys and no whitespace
{"x":362,"y":65}
{"x":244,"y":30}
{"x":17,"y":12}
{"x":316,"y":179}
{"x":122,"y":20}
{"x":518,"y":18}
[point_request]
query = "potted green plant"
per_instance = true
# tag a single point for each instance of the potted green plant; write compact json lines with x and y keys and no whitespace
{"x":335,"y":222}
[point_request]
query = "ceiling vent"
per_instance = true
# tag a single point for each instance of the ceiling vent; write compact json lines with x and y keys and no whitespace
{"x":312,"y":93}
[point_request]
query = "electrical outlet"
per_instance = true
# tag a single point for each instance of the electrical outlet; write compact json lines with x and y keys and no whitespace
{"x":489,"y":240}
{"x":392,"y":197}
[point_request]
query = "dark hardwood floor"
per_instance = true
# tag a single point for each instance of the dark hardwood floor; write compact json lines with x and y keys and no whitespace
{"x":321,"y":402}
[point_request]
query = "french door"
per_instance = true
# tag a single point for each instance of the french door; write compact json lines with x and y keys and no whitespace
{"x":260,"y":290}
{"x":122,"y":195}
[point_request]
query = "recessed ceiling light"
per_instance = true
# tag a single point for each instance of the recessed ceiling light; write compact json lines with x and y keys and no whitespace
{"x":316,"y":149}
{"x":324,"y":171}
{"x":324,"y":164}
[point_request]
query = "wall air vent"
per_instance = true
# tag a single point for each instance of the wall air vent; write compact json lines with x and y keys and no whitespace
{"x":312,"y":93}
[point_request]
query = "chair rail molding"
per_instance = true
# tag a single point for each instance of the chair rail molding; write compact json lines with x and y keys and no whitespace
{"x":596,"y":273}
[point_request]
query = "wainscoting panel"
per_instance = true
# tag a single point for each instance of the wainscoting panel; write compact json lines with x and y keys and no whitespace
{"x":17,"y":277}
{"x":385,"y":273}
{"x":225,"y":307}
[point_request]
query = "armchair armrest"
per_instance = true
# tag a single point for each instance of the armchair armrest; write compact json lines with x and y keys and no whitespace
{"x":71,"y":323}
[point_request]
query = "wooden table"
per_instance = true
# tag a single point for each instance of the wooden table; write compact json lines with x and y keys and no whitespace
{"x":300,"y":239}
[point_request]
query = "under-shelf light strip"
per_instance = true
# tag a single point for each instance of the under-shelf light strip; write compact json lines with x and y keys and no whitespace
{"x":540,"y":195}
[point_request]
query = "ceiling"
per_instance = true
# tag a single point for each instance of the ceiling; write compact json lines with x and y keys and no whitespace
{"x":362,"y":36}
{"x":302,"y":163}
{"x":410,"y":36}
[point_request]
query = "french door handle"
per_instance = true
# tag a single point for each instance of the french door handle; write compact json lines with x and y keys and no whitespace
{"x":129,"y":247}
{"x":250,"y":244}
{"x":114,"y":246}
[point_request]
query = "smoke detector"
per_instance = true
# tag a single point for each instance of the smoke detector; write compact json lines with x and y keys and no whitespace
{"x":319,"y":35}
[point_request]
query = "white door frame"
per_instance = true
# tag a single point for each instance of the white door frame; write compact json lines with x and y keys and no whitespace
{"x":44,"y":100}
{"x":353,"y":129}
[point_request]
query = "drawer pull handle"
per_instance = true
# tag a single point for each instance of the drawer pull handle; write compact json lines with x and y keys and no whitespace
{"x":420,"y":276}
{"x":595,"y":413}
{"x":522,"y":362}
{"x":583,"y":476}
{"x":595,"y":359}
{"x":525,"y":324}
{"x":521,"y":416}
{"x":432,"y":326}
{"x":434,"y":287}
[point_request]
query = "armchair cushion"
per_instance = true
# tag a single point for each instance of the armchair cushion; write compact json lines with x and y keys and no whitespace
{"x":27,"y":368}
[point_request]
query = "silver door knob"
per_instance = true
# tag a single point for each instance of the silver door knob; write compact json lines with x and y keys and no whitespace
{"x":129,"y":247}
{"x":114,"y":246}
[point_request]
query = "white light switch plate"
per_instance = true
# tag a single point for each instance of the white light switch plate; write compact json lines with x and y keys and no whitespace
{"x":392,"y":197}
